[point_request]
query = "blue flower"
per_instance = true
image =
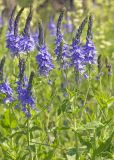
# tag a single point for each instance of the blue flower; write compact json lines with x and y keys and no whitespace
{"x":1,"y":22}
{"x":89,"y":52}
{"x":44,"y":61}
{"x":11,"y":39}
{"x":65,"y":57}
{"x":59,"y":36}
{"x":35,"y":37}
{"x":12,"y":43}
{"x":58,"y":42}
{"x":7,"y":90}
{"x":26,"y":44}
{"x":61,"y":48}
{"x":68,"y":26}
{"x":25,"y":97}
{"x":77,"y":58}
{"x":52,"y":27}
{"x":16,"y":43}
{"x":62,"y":51}
{"x":12,"y":36}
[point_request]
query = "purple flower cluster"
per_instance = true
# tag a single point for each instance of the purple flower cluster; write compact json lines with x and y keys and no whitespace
{"x":62,"y":51}
{"x":65,"y":56}
{"x":77,"y":58}
{"x":11,"y":39}
{"x":26,"y":44}
{"x":15,"y":42}
{"x":4,"y":85}
{"x":12,"y":43}
{"x":24,"y":89}
{"x":25,"y":98}
{"x":61,"y":48}
{"x":58,"y":41}
{"x":7,"y":90}
{"x":35,"y":37}
{"x":89,"y":52}
{"x":44,"y":61}
{"x":83,"y":55}
{"x":59,"y":36}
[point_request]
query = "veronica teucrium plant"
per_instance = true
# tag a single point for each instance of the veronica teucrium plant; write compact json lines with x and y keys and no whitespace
{"x":43,"y":58}
{"x":56,"y":102}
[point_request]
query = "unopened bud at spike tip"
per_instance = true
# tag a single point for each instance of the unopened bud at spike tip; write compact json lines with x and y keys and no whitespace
{"x":17,"y":21}
{"x":27,"y":25}
{"x":80,"y":29}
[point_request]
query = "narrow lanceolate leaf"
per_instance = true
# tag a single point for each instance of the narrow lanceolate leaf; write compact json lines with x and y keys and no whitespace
{"x":17,"y":21}
{"x":27,"y":25}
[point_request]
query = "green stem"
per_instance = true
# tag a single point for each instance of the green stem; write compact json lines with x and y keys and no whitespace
{"x":10,"y":115}
{"x":76,"y":145}
{"x":28,"y":139}
{"x":75,"y":128}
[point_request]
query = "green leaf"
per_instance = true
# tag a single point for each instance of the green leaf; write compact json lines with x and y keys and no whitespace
{"x":104,"y":146}
{"x":110,"y":100}
{"x":50,"y":154}
{"x":64,"y":106}
{"x":71,"y":151}
{"x":85,"y":142}
{"x":93,"y":125}
{"x":35,"y":128}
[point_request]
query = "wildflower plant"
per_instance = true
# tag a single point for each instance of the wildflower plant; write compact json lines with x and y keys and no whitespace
{"x":26,"y":42}
{"x":43,"y":58}
{"x":12,"y":37}
{"x":77,"y":57}
{"x":56,"y":103}
{"x":5,"y":88}
{"x":61,"y":47}
{"x":24,"y":90}
{"x":89,"y":48}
